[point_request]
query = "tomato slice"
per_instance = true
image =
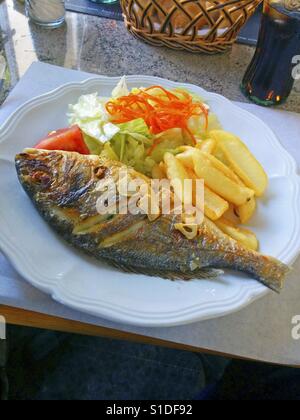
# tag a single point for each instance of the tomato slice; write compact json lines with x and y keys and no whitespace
{"x":67,"y":139}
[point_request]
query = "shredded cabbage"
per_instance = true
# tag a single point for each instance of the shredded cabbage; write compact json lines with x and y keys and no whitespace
{"x":90,"y":115}
{"x":121,"y":89}
{"x":196,"y":125}
{"x":130,"y":145}
{"x":168,"y":141}
{"x":195,"y":96}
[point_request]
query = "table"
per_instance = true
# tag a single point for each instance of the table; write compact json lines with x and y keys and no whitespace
{"x":104,"y":47}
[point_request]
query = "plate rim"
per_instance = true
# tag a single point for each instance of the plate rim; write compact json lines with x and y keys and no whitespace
{"x":241,"y":300}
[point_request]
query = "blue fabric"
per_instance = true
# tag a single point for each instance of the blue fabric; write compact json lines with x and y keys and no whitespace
{"x":249,"y":381}
{"x":45,"y":365}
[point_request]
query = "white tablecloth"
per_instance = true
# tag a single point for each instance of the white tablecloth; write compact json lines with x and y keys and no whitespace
{"x":262,"y":331}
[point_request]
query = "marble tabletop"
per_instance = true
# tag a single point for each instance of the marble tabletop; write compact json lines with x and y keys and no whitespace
{"x":102,"y":46}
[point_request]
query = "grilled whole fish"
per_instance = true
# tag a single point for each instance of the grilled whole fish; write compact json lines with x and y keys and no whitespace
{"x":63,"y":187}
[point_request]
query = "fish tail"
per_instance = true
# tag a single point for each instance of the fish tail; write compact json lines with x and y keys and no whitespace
{"x":269,"y":271}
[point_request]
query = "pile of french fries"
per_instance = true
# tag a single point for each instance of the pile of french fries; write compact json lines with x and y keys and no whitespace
{"x":233,"y":179}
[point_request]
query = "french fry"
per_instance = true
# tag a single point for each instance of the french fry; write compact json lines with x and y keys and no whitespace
{"x":186,"y":157}
{"x":174,"y":167}
{"x":223,"y":168}
{"x":183,"y":149}
{"x":244,"y":212}
{"x":247,"y":210}
{"x":242,"y":161}
{"x":207,"y":145}
{"x":193,"y":177}
{"x":219,"y":183}
{"x":191,"y":173}
{"x":232,"y":215}
{"x":214,"y":205}
{"x":158,"y":172}
{"x":177,"y":174}
{"x":218,"y":153}
{"x":241,"y":235}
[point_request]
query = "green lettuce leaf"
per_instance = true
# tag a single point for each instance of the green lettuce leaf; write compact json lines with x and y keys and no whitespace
{"x":134,"y":127}
{"x":95,"y":147}
{"x":130,"y":145}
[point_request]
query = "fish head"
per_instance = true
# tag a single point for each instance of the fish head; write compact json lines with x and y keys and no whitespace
{"x":45,"y":171}
{"x":35,"y":169}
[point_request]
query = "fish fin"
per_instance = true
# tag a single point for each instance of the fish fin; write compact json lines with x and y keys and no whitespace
{"x":203,"y":273}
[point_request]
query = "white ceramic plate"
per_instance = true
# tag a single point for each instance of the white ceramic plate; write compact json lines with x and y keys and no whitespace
{"x":82,"y":283}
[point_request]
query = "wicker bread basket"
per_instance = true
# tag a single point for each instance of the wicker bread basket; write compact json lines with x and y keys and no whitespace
{"x":193,"y":25}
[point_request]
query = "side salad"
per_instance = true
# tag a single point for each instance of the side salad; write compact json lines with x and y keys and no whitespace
{"x":135,"y":127}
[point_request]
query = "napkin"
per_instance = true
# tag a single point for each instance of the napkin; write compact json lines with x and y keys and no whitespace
{"x":262,"y":331}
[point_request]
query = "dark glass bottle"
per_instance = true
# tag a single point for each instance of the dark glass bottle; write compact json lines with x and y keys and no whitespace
{"x":269,"y":78}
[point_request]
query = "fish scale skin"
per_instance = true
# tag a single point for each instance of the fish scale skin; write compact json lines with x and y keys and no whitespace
{"x":63,"y":187}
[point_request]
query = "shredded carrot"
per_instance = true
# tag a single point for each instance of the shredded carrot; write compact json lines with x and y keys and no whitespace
{"x":160,"y":113}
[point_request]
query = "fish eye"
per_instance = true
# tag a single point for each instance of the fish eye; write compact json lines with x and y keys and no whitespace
{"x":99,"y":171}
